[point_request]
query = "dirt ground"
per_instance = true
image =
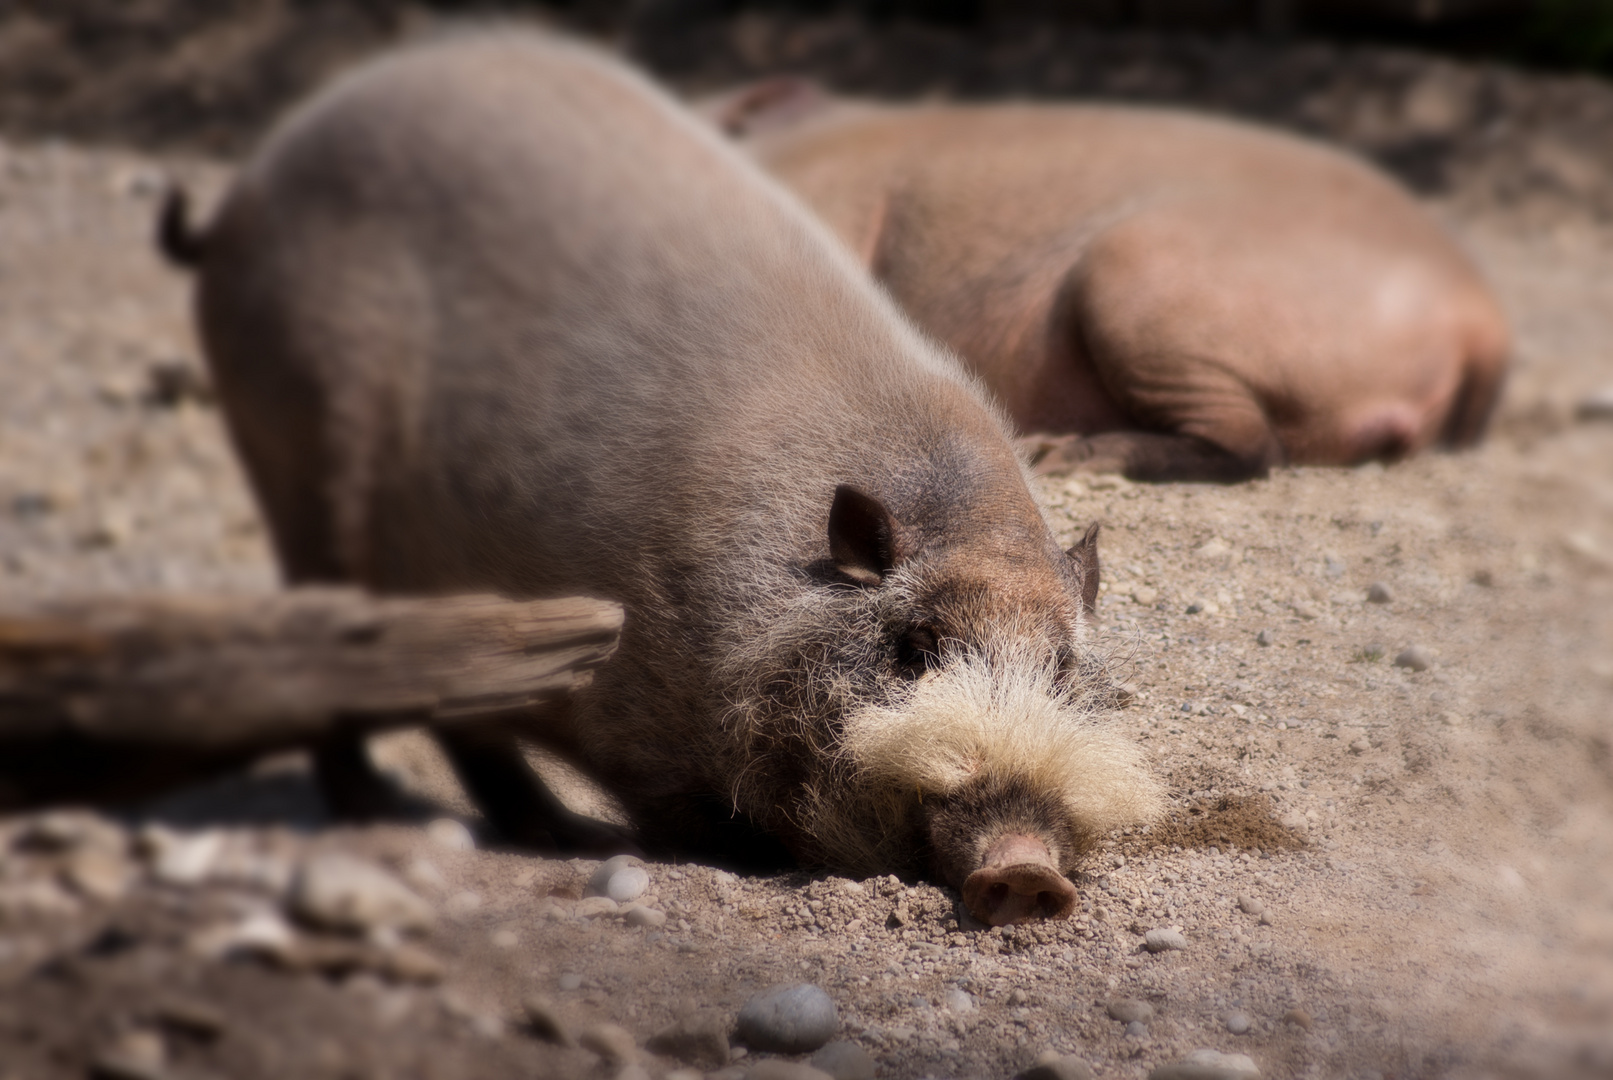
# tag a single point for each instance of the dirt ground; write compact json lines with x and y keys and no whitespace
{"x":1424,"y":857}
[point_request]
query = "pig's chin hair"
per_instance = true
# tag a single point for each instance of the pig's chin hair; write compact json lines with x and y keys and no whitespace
{"x":994,"y":718}
{"x":842,"y":753}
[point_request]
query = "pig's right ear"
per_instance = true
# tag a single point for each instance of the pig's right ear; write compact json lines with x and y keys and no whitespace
{"x":1084,"y":561}
{"x":862,"y":536}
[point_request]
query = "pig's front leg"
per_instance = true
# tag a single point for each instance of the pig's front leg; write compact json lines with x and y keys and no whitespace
{"x":518,"y":804}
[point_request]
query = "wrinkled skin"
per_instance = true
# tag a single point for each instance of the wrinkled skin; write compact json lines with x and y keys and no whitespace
{"x":1162,"y":294}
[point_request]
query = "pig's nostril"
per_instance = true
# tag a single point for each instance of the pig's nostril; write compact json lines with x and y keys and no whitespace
{"x":997,"y":894}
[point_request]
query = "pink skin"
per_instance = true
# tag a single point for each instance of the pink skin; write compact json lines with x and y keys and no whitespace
{"x":1017,"y":882}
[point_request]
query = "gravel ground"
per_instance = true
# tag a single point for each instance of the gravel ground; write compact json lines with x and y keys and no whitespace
{"x":1377,"y":870}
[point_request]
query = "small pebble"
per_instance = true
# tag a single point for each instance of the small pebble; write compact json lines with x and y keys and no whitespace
{"x":700,"y":1039}
{"x":544,"y":1021}
{"x":605,"y":871}
{"x":1251,"y":905}
{"x":611,"y":1042}
{"x":1299,"y":1018}
{"x":1265,"y":639}
{"x":628,"y":883}
{"x":777,"y":1069}
{"x":69,"y":830}
{"x":1597,"y":405}
{"x":194,"y":1018}
{"x":1143,"y":596}
{"x":1414,"y":658}
{"x":451,"y":833}
{"x":1238,"y":1023}
{"x":504,"y":939}
{"x":789,"y":1019}
{"x":570,"y":981}
{"x":1162,"y":940}
{"x":844,"y":1061}
{"x":592,"y":907}
{"x":1208,"y":1065}
{"x":1136,"y":1030}
{"x":97,"y":875}
{"x":1052,"y":1065}
{"x":959,"y":1000}
{"x":409,"y":964}
{"x":1379,"y":593}
{"x":1129,"y":1010}
{"x":180,"y":859}
{"x":644,"y":916}
{"x":1017,"y":996}
{"x":340,"y":892}
{"x":134,"y":1055}
{"x":260,"y":933}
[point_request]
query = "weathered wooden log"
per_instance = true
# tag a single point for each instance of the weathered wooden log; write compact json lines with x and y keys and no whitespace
{"x":111,"y":698}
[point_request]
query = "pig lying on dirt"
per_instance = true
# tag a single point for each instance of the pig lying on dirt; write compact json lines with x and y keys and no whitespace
{"x":494,"y":314}
{"x":1179,"y":297}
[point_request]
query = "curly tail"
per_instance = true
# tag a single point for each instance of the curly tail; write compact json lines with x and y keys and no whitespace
{"x":179,"y":242}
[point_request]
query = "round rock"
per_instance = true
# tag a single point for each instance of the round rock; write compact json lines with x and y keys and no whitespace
{"x":340,"y":892}
{"x":1238,"y":1023}
{"x":789,"y":1019}
{"x":959,"y":1000}
{"x":1158,"y":941}
{"x":1208,"y":1065}
{"x":451,"y":833}
{"x":638,"y":915}
{"x":1379,"y":593}
{"x":1127,"y":1010}
{"x":600,"y":879}
{"x":1414,"y":658}
{"x":628,"y":883}
{"x":1597,"y":405}
{"x":1251,"y":905}
{"x":844,"y":1061}
{"x":1052,"y":1065}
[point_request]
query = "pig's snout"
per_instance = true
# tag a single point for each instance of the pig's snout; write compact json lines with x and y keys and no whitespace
{"x":1017,"y":882}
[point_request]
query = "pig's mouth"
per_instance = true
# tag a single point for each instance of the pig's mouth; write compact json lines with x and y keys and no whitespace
{"x":1017,"y":882}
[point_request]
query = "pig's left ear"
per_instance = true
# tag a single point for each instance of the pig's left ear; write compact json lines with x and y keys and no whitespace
{"x":1084,"y":561}
{"x":863,"y":536}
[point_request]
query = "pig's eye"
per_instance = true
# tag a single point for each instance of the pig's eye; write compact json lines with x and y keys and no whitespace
{"x":1069,"y":670}
{"x":917,"y":650}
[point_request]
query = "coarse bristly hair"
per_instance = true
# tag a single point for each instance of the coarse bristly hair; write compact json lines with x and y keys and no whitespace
{"x":998,"y":715}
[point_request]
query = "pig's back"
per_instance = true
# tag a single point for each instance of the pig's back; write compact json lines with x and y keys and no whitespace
{"x":567,"y":339}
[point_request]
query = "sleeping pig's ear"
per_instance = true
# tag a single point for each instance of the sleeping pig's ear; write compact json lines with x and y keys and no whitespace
{"x":864,"y":538}
{"x":1083,"y":558}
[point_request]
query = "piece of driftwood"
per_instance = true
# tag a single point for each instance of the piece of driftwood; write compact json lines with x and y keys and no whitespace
{"x":114,"y":697}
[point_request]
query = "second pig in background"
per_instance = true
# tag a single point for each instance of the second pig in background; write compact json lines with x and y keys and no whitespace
{"x":1152,"y":292}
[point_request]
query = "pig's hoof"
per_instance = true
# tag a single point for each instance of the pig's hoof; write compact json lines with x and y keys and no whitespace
{"x":1018,"y":883}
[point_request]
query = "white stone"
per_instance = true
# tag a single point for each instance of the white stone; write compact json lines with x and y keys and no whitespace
{"x":340,"y":892}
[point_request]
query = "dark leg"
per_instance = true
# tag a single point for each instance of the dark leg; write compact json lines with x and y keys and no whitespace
{"x":517,"y":804}
{"x":1142,"y":455}
{"x":354,"y":790}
